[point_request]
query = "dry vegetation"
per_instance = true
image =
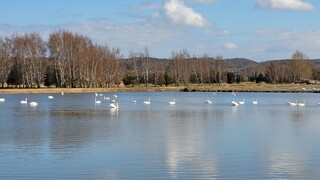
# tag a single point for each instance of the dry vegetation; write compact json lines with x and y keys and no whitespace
{"x":242,"y":87}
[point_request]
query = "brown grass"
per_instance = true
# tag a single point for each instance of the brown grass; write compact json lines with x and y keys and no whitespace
{"x":243,"y":87}
{"x":85,"y":90}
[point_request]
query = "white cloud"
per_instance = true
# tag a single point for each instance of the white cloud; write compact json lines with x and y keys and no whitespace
{"x":280,"y":44}
{"x":231,"y":46}
{"x":178,"y":13}
{"x":285,"y":4}
{"x":304,"y":40}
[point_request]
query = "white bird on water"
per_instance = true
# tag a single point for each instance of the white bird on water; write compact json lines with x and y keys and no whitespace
{"x":172,"y":102}
{"x":208,"y":101}
{"x":241,"y":102}
{"x":114,"y":105}
{"x":301,"y":103}
{"x":25,"y":101}
{"x":97,"y":101}
{"x":293,"y":103}
{"x":33,"y":104}
{"x":50,"y":97}
{"x":2,"y":99}
{"x":148,"y":101}
{"x":255,"y":102}
{"x":133,"y":101}
{"x":234,"y":103}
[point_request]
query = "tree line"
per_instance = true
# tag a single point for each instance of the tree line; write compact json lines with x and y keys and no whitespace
{"x":72,"y":60}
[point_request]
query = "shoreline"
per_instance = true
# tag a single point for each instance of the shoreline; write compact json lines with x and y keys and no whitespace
{"x":246,"y":87}
{"x":84,"y":90}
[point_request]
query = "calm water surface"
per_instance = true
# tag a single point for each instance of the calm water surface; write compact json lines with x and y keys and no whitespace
{"x":71,"y":137}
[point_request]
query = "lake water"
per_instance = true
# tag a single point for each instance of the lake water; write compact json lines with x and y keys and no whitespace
{"x":71,"y":137}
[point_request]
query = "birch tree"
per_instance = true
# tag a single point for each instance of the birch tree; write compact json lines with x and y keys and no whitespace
{"x":300,"y":67}
{"x":219,"y":68}
{"x":6,"y":62}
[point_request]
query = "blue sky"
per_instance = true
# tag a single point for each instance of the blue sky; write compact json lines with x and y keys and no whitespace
{"x":255,"y":29}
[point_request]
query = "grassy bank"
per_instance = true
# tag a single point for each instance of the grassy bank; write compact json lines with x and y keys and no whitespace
{"x":253,"y":87}
{"x":243,"y":87}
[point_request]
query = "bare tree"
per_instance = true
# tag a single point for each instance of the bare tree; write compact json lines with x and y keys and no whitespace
{"x":206,"y":67}
{"x":21,"y":52}
{"x":111,"y":65}
{"x":145,"y":65}
{"x":196,"y":73}
{"x":158,"y":73}
{"x":57,"y":49}
{"x":134,"y":57}
{"x":178,"y":67}
{"x":38,"y":51}
{"x":219,"y":67}
{"x":6,"y":62}
{"x":271,"y":71}
{"x":300,"y":67}
{"x":29,"y":52}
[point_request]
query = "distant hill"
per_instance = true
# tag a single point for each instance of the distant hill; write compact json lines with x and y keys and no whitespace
{"x":232,"y":64}
{"x":314,"y":62}
{"x":236,"y":64}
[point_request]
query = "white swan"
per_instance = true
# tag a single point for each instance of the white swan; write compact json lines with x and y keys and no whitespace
{"x":50,"y":97}
{"x":241,"y":102}
{"x":62,"y":93}
{"x":97,"y":101}
{"x":234,"y":103}
{"x":2,"y":99}
{"x":301,"y":104}
{"x":25,"y":101}
{"x":255,"y":102}
{"x":172,"y":102}
{"x":33,"y":104}
{"x":148,"y":101}
{"x":96,"y":94}
{"x":208,"y":101}
{"x":114,"y":105}
{"x":133,"y":101}
{"x":106,"y":98}
{"x":115,"y":96}
{"x":293,"y":103}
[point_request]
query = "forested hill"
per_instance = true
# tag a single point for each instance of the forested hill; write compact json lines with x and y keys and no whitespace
{"x":315,"y":63}
{"x":232,"y":64}
{"x":236,"y":64}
